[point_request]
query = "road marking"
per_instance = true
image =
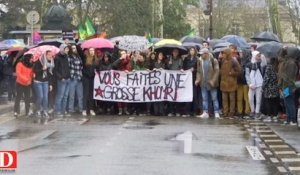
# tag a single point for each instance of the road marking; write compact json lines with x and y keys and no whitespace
{"x":267,"y":152}
{"x":257,"y":139}
{"x":281,"y":169}
{"x":261,"y":127}
{"x":284,"y":152}
{"x":290,"y":160}
{"x":262,"y":145}
{"x":262,"y":131}
{"x":247,"y":126}
{"x":278,"y":146}
{"x":250,"y":130}
{"x":267,"y":136}
{"x":294,"y":168}
{"x":255,"y":153}
{"x":253,"y":135}
{"x":272,"y":141}
{"x":274,"y":160}
{"x":131,"y":118}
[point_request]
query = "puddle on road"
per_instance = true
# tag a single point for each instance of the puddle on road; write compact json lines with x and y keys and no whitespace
{"x":217,"y":157}
{"x":18,"y":134}
{"x":152,"y":123}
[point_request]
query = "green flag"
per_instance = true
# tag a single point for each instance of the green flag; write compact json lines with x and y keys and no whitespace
{"x":82,"y":32}
{"x":149,"y":38}
{"x":89,"y":27}
{"x":191,"y":32}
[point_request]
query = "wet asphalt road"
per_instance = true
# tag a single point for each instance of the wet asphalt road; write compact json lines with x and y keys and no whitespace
{"x":128,"y":145}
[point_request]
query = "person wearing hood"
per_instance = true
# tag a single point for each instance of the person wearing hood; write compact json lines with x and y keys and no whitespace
{"x":254,"y":77}
{"x":229,"y":71}
{"x":43,"y":83}
{"x":287,"y":74}
{"x":24,"y":75}
{"x":62,"y":75}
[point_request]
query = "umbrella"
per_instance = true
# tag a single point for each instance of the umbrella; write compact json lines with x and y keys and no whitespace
{"x":189,"y":45}
{"x":51,"y":42}
{"x":98,"y":43}
{"x":236,"y":40}
{"x":3,"y":46}
{"x":265,"y":36}
{"x":155,"y":40}
{"x":293,"y":52}
{"x":37,"y":52}
{"x":13,"y":43}
{"x":270,"y":49}
{"x":167,"y":45}
{"x":168,"y":41}
{"x":222,"y":45}
{"x":132,"y":43}
{"x":14,"y":50}
{"x":213,"y":42}
{"x":192,"y":39}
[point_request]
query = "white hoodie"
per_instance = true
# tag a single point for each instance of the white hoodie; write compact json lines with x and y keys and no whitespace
{"x":254,"y":77}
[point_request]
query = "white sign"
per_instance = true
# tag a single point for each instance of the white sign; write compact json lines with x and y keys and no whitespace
{"x":144,"y":86}
{"x":33,"y":17}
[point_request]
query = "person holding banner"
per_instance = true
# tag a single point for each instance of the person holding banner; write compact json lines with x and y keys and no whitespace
{"x":123,"y":64}
{"x":208,"y":79}
{"x":190,"y":62}
{"x":175,"y":62}
{"x":159,"y":64}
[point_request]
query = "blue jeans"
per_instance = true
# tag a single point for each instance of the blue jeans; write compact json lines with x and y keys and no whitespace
{"x":62,"y":94}
{"x":290,"y":108}
{"x":75,"y":87}
{"x":214,"y":97}
{"x":41,"y":90}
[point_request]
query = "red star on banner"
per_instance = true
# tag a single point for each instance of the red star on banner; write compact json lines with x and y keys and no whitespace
{"x":99,"y":92}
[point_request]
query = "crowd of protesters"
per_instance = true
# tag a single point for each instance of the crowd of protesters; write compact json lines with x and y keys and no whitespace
{"x":232,"y":83}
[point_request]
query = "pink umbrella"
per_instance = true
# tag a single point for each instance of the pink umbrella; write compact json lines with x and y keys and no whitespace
{"x":98,"y":43}
{"x":37,"y":52}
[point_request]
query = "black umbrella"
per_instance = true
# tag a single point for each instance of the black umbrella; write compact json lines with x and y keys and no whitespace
{"x":270,"y":49}
{"x":192,"y":39}
{"x":52,"y":42}
{"x":265,"y":36}
{"x":189,"y":45}
{"x":293,"y":52}
{"x":168,"y":48}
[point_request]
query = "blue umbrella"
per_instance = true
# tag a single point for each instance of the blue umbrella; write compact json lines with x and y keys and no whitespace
{"x":236,"y":40}
{"x":213,"y":42}
{"x":270,"y":49}
{"x":222,"y":45}
{"x":4,"y":46}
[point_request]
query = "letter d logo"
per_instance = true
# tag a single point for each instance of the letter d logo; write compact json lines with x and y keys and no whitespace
{"x":8,"y":159}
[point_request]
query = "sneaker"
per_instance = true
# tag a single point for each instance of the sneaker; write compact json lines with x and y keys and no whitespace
{"x":178,"y":115}
{"x":185,"y":116}
{"x":126,"y":112}
{"x":258,"y":116}
{"x":67,"y":114}
{"x":16,"y":114}
{"x":267,"y":119}
{"x":84,"y":113}
{"x":293,"y":123}
{"x":46,"y":115}
{"x":92,"y":112}
{"x":217,"y":115}
{"x":252,"y":115}
{"x":285,"y":123}
{"x":120,"y":112}
{"x":50,"y":111}
{"x":38,"y":114}
{"x":59,"y":115}
{"x":204,"y":115}
{"x":170,"y":115}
